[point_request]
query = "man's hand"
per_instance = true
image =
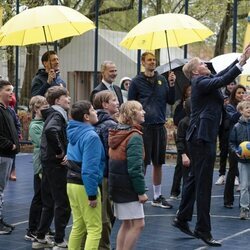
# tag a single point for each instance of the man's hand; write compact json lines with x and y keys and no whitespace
{"x":51,"y":76}
{"x":245,"y":55}
{"x":171,"y":78}
{"x":13,"y":147}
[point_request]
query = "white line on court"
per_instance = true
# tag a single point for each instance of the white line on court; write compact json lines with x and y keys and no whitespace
{"x":227,"y":238}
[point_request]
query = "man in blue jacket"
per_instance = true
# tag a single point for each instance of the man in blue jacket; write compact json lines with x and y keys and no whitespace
{"x":153,"y":91}
{"x":48,"y":76}
{"x":206,"y":112}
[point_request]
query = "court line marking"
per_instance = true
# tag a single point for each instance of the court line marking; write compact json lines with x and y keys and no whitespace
{"x":227,"y":238}
{"x":157,"y":215}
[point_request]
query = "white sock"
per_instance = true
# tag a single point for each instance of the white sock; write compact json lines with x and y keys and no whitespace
{"x":157,"y":191}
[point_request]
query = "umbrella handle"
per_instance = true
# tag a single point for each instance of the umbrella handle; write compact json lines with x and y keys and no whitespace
{"x":166,"y":35}
{"x":46,"y":40}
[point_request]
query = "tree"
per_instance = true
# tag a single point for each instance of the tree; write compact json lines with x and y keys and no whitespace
{"x":32,"y":55}
{"x":122,"y":16}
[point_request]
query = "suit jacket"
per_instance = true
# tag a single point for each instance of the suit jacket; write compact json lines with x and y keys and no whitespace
{"x":207,"y":103}
{"x":101,"y":86}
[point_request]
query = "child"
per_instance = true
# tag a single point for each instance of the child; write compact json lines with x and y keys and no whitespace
{"x":86,"y":159}
{"x":11,"y":107}
{"x":106,"y":104}
{"x":53,"y":158}
{"x":181,"y":143}
{"x":37,"y":103}
{"x":126,"y":175}
{"x":9,"y":146}
{"x":240,"y":133}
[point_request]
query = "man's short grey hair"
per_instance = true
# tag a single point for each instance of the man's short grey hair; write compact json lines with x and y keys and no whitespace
{"x":189,"y":67}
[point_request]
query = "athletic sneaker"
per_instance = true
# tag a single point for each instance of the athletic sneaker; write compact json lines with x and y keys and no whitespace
{"x":42,"y":243}
{"x":221,"y":180}
{"x":244,"y":213}
{"x":174,"y":197}
{"x":30,"y":236}
{"x":60,"y":245}
{"x":3,"y":229}
{"x":161,"y":202}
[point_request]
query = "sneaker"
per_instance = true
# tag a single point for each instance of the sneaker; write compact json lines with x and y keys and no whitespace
{"x":60,"y":245}
{"x":244,"y":213}
{"x":221,"y":180}
{"x":12,"y":227}
{"x":236,"y":181}
{"x":174,"y":197}
{"x":42,"y":243}
{"x":4,"y":230}
{"x":50,"y":236}
{"x":161,"y":202}
{"x":30,"y":236}
{"x":229,"y":205}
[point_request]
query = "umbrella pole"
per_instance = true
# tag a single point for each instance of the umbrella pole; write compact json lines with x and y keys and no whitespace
{"x":166,"y":35}
{"x":45,"y":38}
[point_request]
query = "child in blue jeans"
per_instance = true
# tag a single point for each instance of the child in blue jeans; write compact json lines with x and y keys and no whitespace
{"x":240,"y":133}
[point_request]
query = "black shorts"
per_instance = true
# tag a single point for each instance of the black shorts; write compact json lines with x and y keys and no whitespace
{"x":155,"y":140}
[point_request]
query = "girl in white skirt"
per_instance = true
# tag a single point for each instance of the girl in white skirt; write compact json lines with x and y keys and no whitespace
{"x":126,"y":175}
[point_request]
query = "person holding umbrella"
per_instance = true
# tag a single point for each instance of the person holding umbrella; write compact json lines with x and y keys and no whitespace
{"x":207,"y":104}
{"x":153,"y":91}
{"x":47,"y":77}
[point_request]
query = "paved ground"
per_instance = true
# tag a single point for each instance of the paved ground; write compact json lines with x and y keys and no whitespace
{"x":158,"y":233}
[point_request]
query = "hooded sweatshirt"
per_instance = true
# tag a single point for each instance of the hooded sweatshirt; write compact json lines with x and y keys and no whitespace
{"x":85,"y":147}
{"x":54,"y":139}
{"x":35,"y":133}
{"x":8,"y":133}
{"x":126,"y":152}
{"x":105,"y":122}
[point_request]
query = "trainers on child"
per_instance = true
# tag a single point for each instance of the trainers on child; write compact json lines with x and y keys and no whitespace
{"x":41,"y":243}
{"x":30,"y":236}
{"x":236,"y":181}
{"x":244,"y":213}
{"x":3,"y":229}
{"x":161,"y":202}
{"x":60,"y":245}
{"x":221,"y":180}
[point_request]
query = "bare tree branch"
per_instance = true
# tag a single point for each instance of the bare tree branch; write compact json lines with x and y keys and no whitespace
{"x":130,"y":6}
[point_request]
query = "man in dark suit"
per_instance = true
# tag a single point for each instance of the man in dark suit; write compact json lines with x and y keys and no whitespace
{"x":109,"y":74}
{"x":206,"y":112}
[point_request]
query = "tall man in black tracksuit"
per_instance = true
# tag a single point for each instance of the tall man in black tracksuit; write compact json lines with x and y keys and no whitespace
{"x":153,"y":91}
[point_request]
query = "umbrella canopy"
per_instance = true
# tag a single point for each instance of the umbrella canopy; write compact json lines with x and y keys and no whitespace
{"x":176,"y":63}
{"x":44,"y":24}
{"x":222,"y":61}
{"x":176,"y":66}
{"x":165,"y":30}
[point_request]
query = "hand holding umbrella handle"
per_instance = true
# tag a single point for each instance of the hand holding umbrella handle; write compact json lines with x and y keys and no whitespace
{"x":51,"y":76}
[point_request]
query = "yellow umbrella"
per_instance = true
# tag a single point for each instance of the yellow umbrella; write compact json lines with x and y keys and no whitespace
{"x":165,"y":30}
{"x":44,"y":24}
